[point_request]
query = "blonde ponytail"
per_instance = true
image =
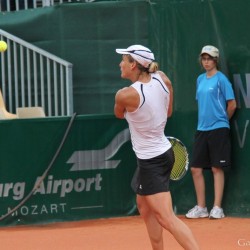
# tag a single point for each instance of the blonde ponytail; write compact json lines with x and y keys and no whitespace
{"x":153,"y":67}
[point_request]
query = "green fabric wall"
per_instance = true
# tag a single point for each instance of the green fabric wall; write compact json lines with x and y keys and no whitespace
{"x":86,"y":35}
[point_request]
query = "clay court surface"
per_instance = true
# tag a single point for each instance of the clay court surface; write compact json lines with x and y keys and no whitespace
{"x":126,"y":233}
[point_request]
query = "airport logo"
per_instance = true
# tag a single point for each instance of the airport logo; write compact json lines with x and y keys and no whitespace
{"x":99,"y":159}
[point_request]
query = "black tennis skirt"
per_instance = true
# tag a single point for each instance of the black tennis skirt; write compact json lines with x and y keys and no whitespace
{"x":152,"y":175}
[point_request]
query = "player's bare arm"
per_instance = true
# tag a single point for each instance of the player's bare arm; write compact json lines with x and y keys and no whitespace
{"x":120,"y":107}
{"x":126,"y":99}
{"x":170,"y":88}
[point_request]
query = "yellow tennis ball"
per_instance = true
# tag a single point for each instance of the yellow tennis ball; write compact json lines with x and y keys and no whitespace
{"x":3,"y":46}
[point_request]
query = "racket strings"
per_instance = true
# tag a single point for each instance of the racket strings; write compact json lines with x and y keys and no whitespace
{"x":181,"y":160}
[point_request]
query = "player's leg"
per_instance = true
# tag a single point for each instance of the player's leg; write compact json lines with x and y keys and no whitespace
{"x":153,"y":227}
{"x":161,"y":205}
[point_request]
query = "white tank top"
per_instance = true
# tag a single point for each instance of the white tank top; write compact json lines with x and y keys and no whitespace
{"x":147,"y":123}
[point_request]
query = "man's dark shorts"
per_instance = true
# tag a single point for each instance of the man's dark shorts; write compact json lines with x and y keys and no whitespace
{"x":212,"y":149}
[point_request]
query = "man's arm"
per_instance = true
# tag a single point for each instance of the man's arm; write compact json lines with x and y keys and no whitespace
{"x":231,"y":107}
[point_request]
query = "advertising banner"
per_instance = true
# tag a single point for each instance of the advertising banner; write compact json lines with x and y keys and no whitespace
{"x":90,"y":177}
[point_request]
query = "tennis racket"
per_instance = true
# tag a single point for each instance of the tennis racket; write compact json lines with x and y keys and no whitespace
{"x":181,"y":159}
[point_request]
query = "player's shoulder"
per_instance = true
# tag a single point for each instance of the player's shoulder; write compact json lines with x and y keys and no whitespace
{"x":125,"y":92}
{"x":159,"y":73}
{"x":163,"y":76}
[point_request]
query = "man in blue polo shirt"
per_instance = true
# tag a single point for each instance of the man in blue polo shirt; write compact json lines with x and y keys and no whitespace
{"x":212,"y":147}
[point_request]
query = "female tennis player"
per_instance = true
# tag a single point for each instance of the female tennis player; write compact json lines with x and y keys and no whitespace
{"x":146,"y":105}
